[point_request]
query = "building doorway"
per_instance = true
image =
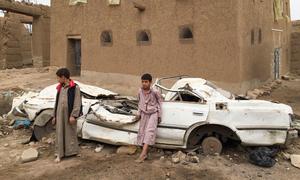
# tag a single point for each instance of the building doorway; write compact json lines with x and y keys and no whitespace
{"x":74,"y":56}
{"x":277,"y":63}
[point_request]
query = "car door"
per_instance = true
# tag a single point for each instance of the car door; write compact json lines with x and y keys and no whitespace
{"x":177,"y":117}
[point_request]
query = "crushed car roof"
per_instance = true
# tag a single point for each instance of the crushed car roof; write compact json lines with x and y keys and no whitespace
{"x":201,"y":87}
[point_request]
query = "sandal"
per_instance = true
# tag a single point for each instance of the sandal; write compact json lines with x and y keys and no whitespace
{"x":141,"y":160}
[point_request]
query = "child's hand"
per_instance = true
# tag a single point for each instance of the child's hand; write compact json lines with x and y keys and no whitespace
{"x":159,"y":120}
{"x":53,"y":121}
{"x":137,"y":117}
{"x":72,"y":120}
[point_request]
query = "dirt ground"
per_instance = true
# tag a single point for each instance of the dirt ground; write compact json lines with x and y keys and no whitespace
{"x":107,"y":164}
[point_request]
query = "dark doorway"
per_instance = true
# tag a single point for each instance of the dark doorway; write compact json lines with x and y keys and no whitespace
{"x":276,"y":65}
{"x":74,"y":56}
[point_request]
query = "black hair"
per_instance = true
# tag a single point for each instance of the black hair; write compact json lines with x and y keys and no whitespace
{"x":146,"y":77}
{"x":63,"y":72}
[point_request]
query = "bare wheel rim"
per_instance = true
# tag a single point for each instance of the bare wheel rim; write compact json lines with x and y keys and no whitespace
{"x":211,"y":146}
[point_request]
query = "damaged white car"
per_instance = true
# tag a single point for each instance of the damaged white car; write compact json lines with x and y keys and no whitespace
{"x":194,"y":113}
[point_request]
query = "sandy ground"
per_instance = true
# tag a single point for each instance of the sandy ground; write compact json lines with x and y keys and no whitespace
{"x":231,"y":164}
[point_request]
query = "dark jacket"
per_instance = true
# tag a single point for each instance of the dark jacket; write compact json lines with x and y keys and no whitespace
{"x":71,"y":98}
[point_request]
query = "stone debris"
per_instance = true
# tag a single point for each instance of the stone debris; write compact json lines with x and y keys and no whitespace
{"x":278,"y":81}
{"x":162,"y":158}
{"x":285,"y":156}
{"x":259,"y":92}
{"x":193,"y":159}
{"x":252,"y":95}
{"x":295,"y":160}
{"x":6,"y":145}
{"x":264,"y":90}
{"x":12,"y":122}
{"x":99,"y":148}
{"x":285,"y":77}
{"x":185,"y":158}
{"x":44,"y":140}
{"x":31,"y":143}
{"x":84,"y":147}
{"x":184,"y":163}
{"x":29,"y":155}
{"x":178,"y":157}
{"x":130,"y":150}
{"x":175,"y":160}
{"x":50,"y":141}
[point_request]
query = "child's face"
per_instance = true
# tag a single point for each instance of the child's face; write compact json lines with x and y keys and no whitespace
{"x":146,"y":84}
{"x":61,"y":80}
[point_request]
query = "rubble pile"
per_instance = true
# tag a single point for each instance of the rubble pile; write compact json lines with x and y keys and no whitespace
{"x":265,"y":90}
{"x":295,"y":160}
{"x":127,"y":150}
{"x":183,"y":158}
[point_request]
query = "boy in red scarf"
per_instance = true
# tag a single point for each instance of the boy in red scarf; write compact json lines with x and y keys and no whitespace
{"x":67,"y":109}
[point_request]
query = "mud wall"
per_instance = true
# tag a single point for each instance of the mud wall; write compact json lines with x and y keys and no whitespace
{"x":3,"y":40}
{"x":41,"y":41}
{"x":219,"y":51}
{"x":15,"y":43}
{"x":260,"y":34}
{"x":13,"y":53}
{"x":212,"y":53}
{"x":41,"y":29}
{"x":295,"y":43}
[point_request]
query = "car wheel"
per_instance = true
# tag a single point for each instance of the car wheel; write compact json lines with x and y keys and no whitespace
{"x":211,"y":146}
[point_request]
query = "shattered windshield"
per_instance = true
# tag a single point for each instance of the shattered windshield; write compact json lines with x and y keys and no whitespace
{"x":223,"y":92}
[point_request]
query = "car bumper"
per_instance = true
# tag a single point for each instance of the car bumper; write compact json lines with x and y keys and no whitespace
{"x":292,"y":134}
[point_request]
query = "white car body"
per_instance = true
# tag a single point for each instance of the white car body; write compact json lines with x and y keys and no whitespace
{"x":184,"y":123}
{"x":253,"y":122}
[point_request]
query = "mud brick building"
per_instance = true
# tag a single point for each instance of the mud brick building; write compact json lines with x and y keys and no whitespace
{"x":295,"y":43}
{"x":19,"y":47}
{"x":239,"y":44}
{"x":15,"y":42}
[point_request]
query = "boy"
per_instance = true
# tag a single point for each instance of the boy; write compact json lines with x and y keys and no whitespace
{"x":149,"y":113}
{"x":67,"y":109}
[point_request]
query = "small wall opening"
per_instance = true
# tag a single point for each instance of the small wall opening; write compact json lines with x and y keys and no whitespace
{"x":252,"y":37}
{"x":28,"y":28}
{"x":186,"y":33}
{"x":106,"y":38}
{"x":143,"y":37}
{"x":26,"y":44}
{"x":259,"y":36}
